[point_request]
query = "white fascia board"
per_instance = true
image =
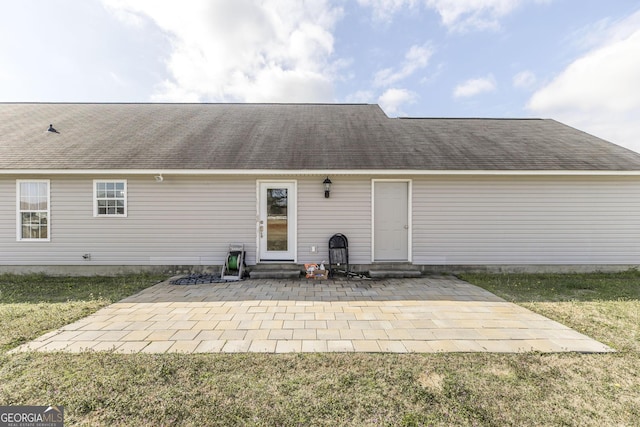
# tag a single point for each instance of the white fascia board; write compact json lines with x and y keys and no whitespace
{"x":280,"y":172}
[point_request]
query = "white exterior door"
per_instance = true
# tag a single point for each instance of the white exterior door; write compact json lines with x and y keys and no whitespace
{"x":277,"y":221}
{"x":391,"y":220}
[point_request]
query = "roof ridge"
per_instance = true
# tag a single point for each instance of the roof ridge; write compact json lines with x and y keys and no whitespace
{"x":471,"y":118}
{"x":336,"y":104}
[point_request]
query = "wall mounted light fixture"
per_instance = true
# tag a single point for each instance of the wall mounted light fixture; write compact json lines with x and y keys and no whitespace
{"x":159,"y":178}
{"x":327,"y":187}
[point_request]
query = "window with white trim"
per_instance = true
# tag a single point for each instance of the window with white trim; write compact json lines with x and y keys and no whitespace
{"x":110,"y":198}
{"x":33,"y":210}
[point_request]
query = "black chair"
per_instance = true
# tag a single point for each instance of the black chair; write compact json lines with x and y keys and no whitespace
{"x":338,"y":253}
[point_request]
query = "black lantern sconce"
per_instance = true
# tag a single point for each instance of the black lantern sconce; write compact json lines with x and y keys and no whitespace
{"x":327,"y":187}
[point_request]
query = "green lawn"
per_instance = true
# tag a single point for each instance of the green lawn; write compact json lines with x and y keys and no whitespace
{"x":332,"y":389}
{"x":33,"y":304}
{"x":603,"y":306}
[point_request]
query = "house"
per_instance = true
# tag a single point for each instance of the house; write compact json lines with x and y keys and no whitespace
{"x":96,"y":187}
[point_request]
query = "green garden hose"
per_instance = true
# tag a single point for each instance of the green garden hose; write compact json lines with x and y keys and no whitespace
{"x":233,"y":262}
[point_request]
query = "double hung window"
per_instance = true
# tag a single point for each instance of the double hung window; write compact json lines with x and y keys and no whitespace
{"x":33,"y":210}
{"x":109,"y":198}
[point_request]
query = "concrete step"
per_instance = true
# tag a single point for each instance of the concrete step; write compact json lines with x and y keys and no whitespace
{"x":275,"y":271}
{"x":274,"y":274}
{"x":276,"y":266}
{"x":393,"y":274}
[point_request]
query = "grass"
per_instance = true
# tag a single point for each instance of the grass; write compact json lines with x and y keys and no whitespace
{"x":555,"y":287}
{"x":36,"y":288}
{"x":33,"y":304}
{"x":343,"y":389}
{"x":605,"y":306}
{"x":327,"y":389}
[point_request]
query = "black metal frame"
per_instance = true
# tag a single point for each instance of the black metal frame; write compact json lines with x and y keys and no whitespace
{"x":338,"y":253}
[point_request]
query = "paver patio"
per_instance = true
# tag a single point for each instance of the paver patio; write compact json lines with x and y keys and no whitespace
{"x":431,"y":314}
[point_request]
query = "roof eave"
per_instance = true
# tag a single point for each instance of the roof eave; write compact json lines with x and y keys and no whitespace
{"x":361,"y":172}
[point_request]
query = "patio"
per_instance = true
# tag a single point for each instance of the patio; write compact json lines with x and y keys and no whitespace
{"x":429,"y":314}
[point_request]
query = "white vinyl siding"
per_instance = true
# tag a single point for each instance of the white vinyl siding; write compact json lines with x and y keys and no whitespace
{"x":33,"y":210}
{"x":346,"y":211}
{"x":180,"y":221}
{"x":526,"y":220}
{"x":456,"y":220}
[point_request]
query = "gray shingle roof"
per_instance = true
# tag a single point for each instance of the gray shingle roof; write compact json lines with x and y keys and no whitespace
{"x":288,"y":137}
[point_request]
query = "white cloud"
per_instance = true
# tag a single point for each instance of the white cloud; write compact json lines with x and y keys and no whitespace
{"x":416,"y":58}
{"x":524,"y":79}
{"x":383,"y":10}
{"x":597,"y":92}
{"x":475,"y":87}
{"x":457,"y":15}
{"x":360,"y":97}
{"x":463,"y":15}
{"x":242,"y":50}
{"x":391,"y":100}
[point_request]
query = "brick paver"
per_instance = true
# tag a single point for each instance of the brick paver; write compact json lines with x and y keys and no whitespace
{"x":431,"y":314}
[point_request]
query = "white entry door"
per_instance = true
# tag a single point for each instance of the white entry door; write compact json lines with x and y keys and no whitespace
{"x":277,"y":221}
{"x":391,"y":220}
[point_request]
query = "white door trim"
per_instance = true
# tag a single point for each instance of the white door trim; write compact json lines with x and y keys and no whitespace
{"x":409,"y":216}
{"x":292,"y":217}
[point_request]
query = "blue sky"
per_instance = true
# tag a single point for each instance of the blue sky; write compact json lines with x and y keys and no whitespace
{"x":576,"y":61}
